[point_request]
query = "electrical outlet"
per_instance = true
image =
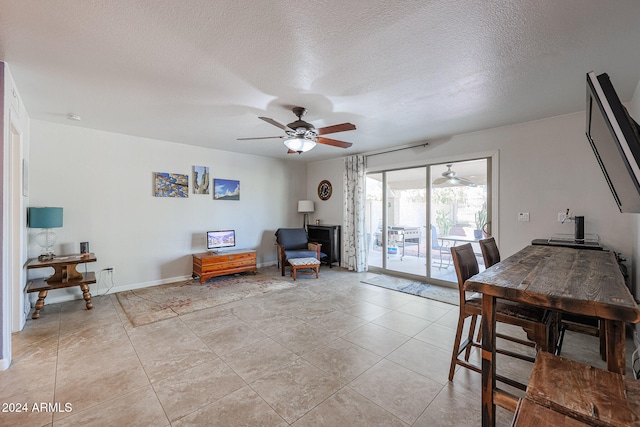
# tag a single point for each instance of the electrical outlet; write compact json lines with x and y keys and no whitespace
{"x":523,"y":216}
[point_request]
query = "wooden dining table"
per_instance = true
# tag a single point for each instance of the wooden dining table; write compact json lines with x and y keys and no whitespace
{"x":576,"y":281}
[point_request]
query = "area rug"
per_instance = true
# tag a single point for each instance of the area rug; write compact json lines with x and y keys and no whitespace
{"x":148,"y":305}
{"x":415,"y":287}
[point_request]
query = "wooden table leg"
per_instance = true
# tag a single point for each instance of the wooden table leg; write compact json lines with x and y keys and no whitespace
{"x":86,"y":295}
{"x":488,"y":360}
{"x":39,"y":304}
{"x":602,"y":334}
{"x":616,"y":348}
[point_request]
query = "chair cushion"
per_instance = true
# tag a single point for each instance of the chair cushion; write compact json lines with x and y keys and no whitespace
{"x":300,"y":254}
{"x":303,"y":261}
{"x":292,"y":238}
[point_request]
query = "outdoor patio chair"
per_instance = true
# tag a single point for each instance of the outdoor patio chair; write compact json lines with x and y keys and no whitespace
{"x":438,"y":249}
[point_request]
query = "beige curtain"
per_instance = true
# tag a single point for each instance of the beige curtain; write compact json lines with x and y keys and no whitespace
{"x":354,"y":212}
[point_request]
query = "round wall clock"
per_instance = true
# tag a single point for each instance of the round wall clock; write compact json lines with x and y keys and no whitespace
{"x":324,"y":190}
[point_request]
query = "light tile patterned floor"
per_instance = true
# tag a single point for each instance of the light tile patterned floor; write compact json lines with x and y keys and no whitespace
{"x":330,"y":352}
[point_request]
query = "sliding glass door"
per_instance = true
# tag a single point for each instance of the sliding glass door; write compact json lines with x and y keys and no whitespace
{"x":459,"y":212}
{"x":406,"y":203}
{"x":416,"y":214}
{"x":375,"y":219}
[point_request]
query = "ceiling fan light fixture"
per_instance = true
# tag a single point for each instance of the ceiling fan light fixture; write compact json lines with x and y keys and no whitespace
{"x":299,"y":145}
{"x":449,"y":178}
{"x":302,"y":136}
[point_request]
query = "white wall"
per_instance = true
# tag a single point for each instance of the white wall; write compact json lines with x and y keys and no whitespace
{"x":545,"y":166}
{"x":329,"y":212}
{"x":104,"y":182}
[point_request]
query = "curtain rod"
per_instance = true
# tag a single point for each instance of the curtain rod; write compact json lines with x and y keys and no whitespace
{"x":397,"y":149}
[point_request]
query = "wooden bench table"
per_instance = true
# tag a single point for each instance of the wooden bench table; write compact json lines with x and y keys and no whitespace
{"x":530,"y":414}
{"x":589,"y":394}
{"x":582,"y":282}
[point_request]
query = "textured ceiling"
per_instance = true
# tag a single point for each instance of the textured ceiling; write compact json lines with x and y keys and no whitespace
{"x":201,"y":72}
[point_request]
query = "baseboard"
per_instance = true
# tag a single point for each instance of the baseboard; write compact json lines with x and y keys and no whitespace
{"x":4,"y":364}
{"x":74,"y":293}
{"x":267,"y":264}
{"x":142,"y":285}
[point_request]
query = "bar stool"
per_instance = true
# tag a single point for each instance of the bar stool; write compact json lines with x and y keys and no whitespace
{"x":535,"y":321}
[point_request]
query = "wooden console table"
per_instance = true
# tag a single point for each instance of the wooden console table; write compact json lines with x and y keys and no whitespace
{"x":65,"y":275}
{"x":210,"y":264}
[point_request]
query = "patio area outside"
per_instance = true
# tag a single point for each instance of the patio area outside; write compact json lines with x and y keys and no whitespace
{"x":415,"y":215}
{"x":411,"y":258}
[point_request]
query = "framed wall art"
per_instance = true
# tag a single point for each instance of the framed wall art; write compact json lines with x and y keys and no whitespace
{"x":171,"y":185}
{"x":226,"y":189}
{"x":201,"y":180}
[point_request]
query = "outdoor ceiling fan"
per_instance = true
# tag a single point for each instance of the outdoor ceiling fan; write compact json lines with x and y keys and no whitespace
{"x":449,"y":177}
{"x":302,"y":136}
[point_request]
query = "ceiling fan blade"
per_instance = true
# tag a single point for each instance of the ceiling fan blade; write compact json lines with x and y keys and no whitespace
{"x":273,"y":122}
{"x":465,"y":181}
{"x":439,"y":181}
{"x":259,"y":137}
{"x":336,"y":128}
{"x":454,"y":181}
{"x":334,"y":142}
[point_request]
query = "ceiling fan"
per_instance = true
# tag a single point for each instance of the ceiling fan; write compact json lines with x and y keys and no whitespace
{"x":449,"y":177}
{"x":302,"y":136}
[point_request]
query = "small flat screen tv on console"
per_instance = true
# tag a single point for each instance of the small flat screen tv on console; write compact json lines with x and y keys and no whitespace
{"x":615,"y":139}
{"x":220,"y":239}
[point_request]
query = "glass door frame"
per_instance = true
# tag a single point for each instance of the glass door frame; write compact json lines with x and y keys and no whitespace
{"x":491,"y":198}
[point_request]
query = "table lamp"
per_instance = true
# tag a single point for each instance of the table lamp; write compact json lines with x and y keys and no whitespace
{"x":46,"y":218}
{"x":305,"y":206}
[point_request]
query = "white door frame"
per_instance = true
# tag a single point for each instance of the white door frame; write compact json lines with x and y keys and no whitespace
{"x":16,"y":224}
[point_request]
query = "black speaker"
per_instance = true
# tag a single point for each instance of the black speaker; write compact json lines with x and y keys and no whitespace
{"x":579,"y":229}
{"x":84,"y":247}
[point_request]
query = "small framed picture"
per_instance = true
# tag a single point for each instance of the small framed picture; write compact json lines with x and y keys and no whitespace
{"x":226,"y":189}
{"x":171,"y":185}
{"x":201,"y":180}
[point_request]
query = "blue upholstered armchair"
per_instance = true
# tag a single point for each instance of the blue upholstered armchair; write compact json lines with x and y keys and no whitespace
{"x":294,"y":243}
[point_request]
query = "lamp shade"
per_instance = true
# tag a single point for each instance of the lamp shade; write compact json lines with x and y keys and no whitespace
{"x":299,"y":144}
{"x":45,"y":217}
{"x":305,"y":206}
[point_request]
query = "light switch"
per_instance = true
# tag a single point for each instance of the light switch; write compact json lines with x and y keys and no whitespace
{"x":523,"y":216}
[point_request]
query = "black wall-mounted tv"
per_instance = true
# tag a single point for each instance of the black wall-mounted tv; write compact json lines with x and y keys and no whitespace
{"x":615,"y":139}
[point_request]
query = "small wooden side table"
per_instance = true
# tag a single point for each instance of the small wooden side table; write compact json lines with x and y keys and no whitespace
{"x":296,"y":264}
{"x":65,"y":275}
